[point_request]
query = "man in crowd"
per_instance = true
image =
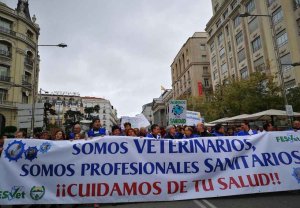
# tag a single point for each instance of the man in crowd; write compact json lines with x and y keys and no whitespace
{"x":155,"y":132}
{"x":171,"y":132}
{"x":76,"y":130}
{"x":219,"y":130}
{"x":296,"y":125}
{"x":267,"y":127}
{"x":45,"y":135}
{"x":96,"y":129}
{"x":246,"y":130}
{"x":201,"y":130}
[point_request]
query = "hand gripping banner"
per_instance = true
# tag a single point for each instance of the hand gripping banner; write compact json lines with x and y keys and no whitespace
{"x":125,"y":169}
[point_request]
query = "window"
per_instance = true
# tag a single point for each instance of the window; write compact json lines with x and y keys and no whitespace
{"x":233,"y":4}
{"x":224,"y":68}
{"x":206,"y":82}
{"x":281,"y":38}
{"x":241,"y":55}
{"x":3,"y":95}
{"x":277,"y":16}
{"x":227,"y":30}
{"x":220,"y":38}
{"x":212,"y":47}
{"x":239,"y":38}
{"x":202,"y":47}
{"x":296,"y":4}
{"x":215,"y":74}
{"x":188,"y":75}
{"x":259,"y":64}
{"x":298,"y":23}
{"x":205,"y":70}
{"x":222,"y":53}
{"x":250,"y":6}
{"x":203,"y":57}
{"x":218,"y":23}
{"x":213,"y":60}
{"x":4,"y":73}
{"x":229,"y":46}
{"x":216,"y":7}
{"x":236,"y":21}
{"x":285,"y":61}
{"x":24,"y":98}
{"x":231,"y":62}
{"x":5,"y":26}
{"x":256,"y":44}
{"x":270,"y":2}
{"x":4,"y":49}
{"x":244,"y":73}
{"x":225,"y":14}
{"x":253,"y":25}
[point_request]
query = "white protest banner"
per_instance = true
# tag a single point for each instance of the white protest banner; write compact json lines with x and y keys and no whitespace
{"x":177,"y":112}
{"x":136,"y":122}
{"x":125,"y":169}
{"x":193,"y":118}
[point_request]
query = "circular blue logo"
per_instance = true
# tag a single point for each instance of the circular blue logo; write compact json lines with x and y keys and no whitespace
{"x":14,"y":150}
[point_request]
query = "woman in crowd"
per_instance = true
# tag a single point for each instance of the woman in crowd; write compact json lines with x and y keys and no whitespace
{"x":59,"y":135}
{"x":130,"y":132}
{"x":219,"y":130}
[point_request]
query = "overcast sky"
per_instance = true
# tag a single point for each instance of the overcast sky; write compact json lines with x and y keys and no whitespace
{"x":120,"y":50}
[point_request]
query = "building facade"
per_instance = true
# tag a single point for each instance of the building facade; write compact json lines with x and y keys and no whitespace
{"x":190,"y":69}
{"x":107,"y":113}
{"x":147,"y":112}
{"x":62,"y":102}
{"x":239,"y":46}
{"x":160,"y":108}
{"x":19,"y":60}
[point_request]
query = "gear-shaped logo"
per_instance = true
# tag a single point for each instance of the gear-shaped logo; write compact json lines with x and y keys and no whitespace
{"x":177,"y":110}
{"x":31,"y":153}
{"x":14,"y":150}
{"x":45,"y":147}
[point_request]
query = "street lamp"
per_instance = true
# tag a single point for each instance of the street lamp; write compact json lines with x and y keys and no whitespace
{"x":246,"y":14}
{"x":34,"y":97}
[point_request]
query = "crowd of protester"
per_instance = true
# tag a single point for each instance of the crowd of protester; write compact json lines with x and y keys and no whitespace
{"x":155,"y":131}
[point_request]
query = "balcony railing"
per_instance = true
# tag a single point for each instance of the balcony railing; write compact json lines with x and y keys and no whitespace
{"x":7,"y":31}
{"x":4,"y":78}
{"x":7,"y":103}
{"x":5,"y":53}
{"x":28,"y":62}
{"x":26,"y":83}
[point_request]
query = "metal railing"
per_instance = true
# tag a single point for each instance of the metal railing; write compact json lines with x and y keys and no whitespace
{"x":28,"y":61}
{"x":4,"y":78}
{"x":5,"y":53}
{"x":7,"y":31}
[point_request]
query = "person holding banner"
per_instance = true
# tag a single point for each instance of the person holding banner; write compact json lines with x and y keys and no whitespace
{"x":219,"y":130}
{"x":246,"y":130}
{"x":296,"y":125}
{"x":131,"y":133}
{"x":188,"y":133}
{"x":202,"y":131}
{"x":155,"y":132}
{"x":76,"y":130}
{"x":59,"y":135}
{"x":96,"y":129}
{"x":171,"y":132}
{"x":116,"y":131}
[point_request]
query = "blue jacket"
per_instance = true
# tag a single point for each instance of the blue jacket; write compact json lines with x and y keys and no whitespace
{"x":217,"y":134}
{"x":190,"y":137}
{"x":95,"y":133}
{"x":245,"y":133}
{"x":150,"y":135}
